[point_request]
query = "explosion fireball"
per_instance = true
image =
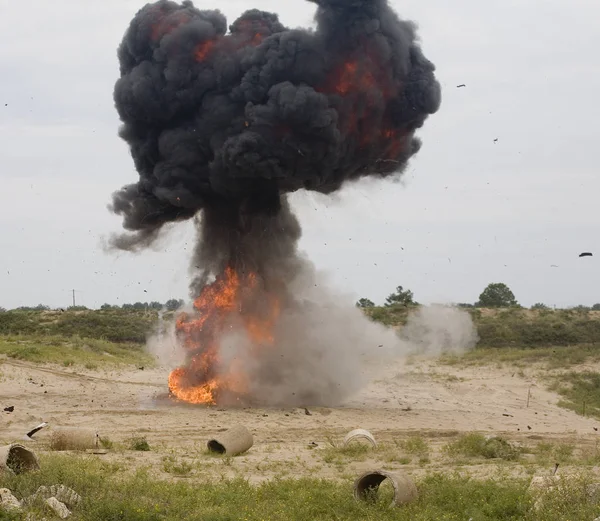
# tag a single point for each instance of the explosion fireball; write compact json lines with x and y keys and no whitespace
{"x":221,"y":125}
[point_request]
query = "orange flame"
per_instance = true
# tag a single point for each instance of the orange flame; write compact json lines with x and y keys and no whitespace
{"x":204,"y":49}
{"x":397,"y":142}
{"x":207,"y":376}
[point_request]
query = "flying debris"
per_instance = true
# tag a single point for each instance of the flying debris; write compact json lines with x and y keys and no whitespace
{"x":36,"y":429}
{"x":460,"y":86}
{"x":496,"y":140}
{"x":586,"y":254}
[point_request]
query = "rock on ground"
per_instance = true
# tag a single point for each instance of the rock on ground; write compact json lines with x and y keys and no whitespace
{"x":59,"y":508}
{"x":64,"y":494}
{"x":8,"y":501}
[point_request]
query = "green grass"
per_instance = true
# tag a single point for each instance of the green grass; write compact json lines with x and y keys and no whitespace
{"x":352,"y":452}
{"x":515,"y":327}
{"x":110,"y":494}
{"x":175,"y":466}
{"x":550,"y":357}
{"x":415,"y":445}
{"x":87,"y":352}
{"x":111,"y":325}
{"x":580,"y":392}
{"x":139,"y":443}
{"x":549,"y":453}
{"x":475,"y":445}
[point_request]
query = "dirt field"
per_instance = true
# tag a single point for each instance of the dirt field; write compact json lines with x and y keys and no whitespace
{"x":424,"y":398}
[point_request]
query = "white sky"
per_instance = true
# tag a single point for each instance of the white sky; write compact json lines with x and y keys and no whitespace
{"x":469,"y":211}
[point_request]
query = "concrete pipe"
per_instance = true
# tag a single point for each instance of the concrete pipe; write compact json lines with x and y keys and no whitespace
{"x":74,"y":438}
{"x":234,"y":441}
{"x":405,"y":490}
{"x":16,"y":459}
{"x":359,"y":434}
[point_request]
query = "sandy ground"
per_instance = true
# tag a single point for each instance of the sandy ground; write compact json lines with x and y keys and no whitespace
{"x":425,"y":398}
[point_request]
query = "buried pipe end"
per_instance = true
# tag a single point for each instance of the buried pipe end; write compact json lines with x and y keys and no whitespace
{"x":232,"y":442}
{"x":405,"y":490}
{"x":215,"y":446}
{"x":359,"y":434}
{"x":16,"y":459}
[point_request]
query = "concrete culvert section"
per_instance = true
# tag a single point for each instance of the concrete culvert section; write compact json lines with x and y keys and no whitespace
{"x":17,"y":459}
{"x":367,"y":486}
{"x":359,"y":435}
{"x":236,"y":440}
{"x":74,"y":438}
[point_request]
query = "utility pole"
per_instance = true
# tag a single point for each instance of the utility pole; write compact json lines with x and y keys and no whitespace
{"x":73,"y":298}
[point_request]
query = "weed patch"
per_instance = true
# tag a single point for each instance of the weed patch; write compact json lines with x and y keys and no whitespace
{"x":110,"y":494}
{"x":474,"y":445}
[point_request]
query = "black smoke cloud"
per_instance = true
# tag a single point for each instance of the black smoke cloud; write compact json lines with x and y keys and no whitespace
{"x":222,"y":124}
{"x":239,"y":117}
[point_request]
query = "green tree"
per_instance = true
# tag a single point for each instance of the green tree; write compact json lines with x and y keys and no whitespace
{"x":581,"y":308}
{"x":39,"y":307}
{"x":155,"y":305}
{"x":401,"y":297}
{"x":540,"y":306}
{"x":174,"y":304}
{"x":497,"y":295}
{"x":365,"y":303}
{"x":596,"y":307}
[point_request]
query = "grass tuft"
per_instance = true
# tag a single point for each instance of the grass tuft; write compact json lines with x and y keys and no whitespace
{"x":475,"y":445}
{"x":580,"y":392}
{"x":139,"y":443}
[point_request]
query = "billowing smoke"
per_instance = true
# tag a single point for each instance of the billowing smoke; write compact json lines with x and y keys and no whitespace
{"x":222,"y":124}
{"x":438,"y":329}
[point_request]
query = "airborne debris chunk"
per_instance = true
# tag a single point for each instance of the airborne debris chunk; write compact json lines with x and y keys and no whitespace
{"x":36,"y":429}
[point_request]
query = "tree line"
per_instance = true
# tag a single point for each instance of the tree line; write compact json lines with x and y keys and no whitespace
{"x":170,"y":305}
{"x":495,"y":295}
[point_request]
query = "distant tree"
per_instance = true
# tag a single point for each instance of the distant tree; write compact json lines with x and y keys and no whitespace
{"x":155,"y":305}
{"x":2,"y":310}
{"x":128,"y":307}
{"x":365,"y":303}
{"x":401,"y":297}
{"x":108,"y":306}
{"x":540,"y":306}
{"x":77,"y":308}
{"x":174,"y":304}
{"x":596,"y":307}
{"x":497,"y":295}
{"x":465,"y":305}
{"x":39,"y":307}
{"x":581,"y":309}
{"x":140,"y":305}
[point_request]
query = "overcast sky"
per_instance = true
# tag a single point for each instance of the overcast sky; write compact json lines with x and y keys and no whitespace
{"x":468,"y":212}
